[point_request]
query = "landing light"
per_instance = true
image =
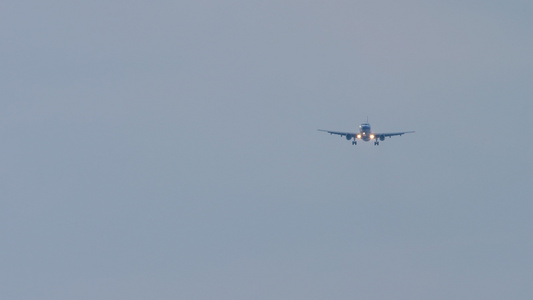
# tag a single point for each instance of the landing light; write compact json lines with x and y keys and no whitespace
{"x":371,"y":136}
{"x":359,"y":136}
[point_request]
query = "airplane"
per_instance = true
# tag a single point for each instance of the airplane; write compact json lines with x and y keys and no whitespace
{"x":366,"y":134}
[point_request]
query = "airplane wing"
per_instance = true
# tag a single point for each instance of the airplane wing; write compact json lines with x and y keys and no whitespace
{"x":350,"y":134}
{"x":389,"y":134}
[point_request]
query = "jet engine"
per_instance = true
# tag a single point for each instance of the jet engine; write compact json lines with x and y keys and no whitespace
{"x":381,"y":137}
{"x":349,"y":136}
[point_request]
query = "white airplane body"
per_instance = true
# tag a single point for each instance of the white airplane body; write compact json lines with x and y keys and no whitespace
{"x":366,"y":134}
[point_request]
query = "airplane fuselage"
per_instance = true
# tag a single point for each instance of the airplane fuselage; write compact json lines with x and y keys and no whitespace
{"x":365,"y":132}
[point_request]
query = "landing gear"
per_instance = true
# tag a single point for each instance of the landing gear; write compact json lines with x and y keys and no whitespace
{"x":376,"y":143}
{"x":354,"y":142}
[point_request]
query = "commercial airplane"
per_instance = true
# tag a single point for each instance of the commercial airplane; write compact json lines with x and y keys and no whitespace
{"x":365,"y":134}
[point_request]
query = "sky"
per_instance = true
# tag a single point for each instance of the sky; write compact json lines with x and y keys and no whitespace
{"x":169,"y":149}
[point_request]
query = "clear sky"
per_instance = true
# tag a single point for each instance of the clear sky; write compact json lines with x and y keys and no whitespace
{"x":168,"y":150}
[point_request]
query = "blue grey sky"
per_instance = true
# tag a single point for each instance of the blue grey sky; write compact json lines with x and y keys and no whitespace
{"x":168,"y":150}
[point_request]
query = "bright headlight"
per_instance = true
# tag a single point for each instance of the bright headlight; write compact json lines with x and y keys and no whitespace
{"x":371,"y":136}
